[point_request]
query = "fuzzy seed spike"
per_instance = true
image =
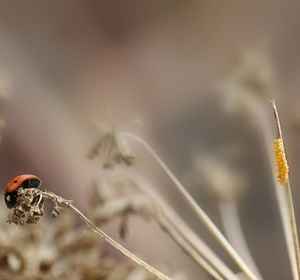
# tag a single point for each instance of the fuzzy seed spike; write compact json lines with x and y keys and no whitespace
{"x":282,"y":168}
{"x":281,"y":162}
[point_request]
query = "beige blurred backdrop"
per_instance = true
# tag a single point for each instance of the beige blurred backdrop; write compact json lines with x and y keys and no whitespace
{"x":68,"y":63}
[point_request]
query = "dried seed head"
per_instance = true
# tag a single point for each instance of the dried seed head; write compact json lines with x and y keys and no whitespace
{"x":56,"y":211}
{"x":28,"y":208}
{"x":120,"y":196}
{"x":248,"y":81}
{"x":281,"y":162}
{"x":251,"y":71}
{"x":112,"y":147}
{"x":220,"y":178}
{"x":81,"y":253}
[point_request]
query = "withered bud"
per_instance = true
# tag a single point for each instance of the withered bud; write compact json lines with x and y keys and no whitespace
{"x":119,"y":196}
{"x":28,"y":208}
{"x":111,"y":147}
{"x":56,"y":211}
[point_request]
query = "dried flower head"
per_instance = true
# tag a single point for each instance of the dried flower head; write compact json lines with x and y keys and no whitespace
{"x":248,"y":78}
{"x":119,"y":196}
{"x":52,"y":250}
{"x":219,"y":177}
{"x":251,"y":70}
{"x":29,"y":208}
{"x":111,"y":146}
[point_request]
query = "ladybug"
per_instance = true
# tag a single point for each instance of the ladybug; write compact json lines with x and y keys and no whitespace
{"x":21,"y":181}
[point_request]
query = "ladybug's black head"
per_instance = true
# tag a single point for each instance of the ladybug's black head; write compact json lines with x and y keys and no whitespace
{"x":11,"y":198}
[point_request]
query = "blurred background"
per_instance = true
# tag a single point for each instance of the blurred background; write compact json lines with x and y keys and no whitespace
{"x":186,"y":69}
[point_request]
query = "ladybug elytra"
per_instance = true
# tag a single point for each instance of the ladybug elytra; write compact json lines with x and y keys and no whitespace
{"x":21,"y":181}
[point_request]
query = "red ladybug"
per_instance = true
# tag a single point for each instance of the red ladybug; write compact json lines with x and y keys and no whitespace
{"x":22,"y":181}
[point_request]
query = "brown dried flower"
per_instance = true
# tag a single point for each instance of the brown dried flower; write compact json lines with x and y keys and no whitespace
{"x":119,"y":196}
{"x":28,"y":210}
{"x":219,"y":177}
{"x":56,"y":250}
{"x":248,"y":80}
{"x":111,"y":146}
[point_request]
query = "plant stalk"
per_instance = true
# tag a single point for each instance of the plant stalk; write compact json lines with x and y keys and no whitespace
{"x":288,"y":197}
{"x":197,"y":209}
{"x":119,"y":247}
{"x":67,"y":203}
{"x":187,"y":247}
{"x":233,"y":229}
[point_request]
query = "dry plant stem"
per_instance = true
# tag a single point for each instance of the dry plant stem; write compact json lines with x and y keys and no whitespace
{"x":107,"y":238}
{"x":289,"y":198}
{"x":195,"y":248}
{"x":166,"y":213}
{"x":197,"y":209}
{"x":233,"y":229}
{"x":189,"y":249}
{"x":119,"y":247}
{"x":195,"y":242}
{"x":267,"y":131}
{"x":203,"y":250}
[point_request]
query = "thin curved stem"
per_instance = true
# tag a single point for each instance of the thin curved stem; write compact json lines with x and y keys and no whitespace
{"x":288,"y":195}
{"x":267,"y":132}
{"x":191,"y":239}
{"x":197,"y":209}
{"x":118,"y":246}
{"x":233,"y":229}
{"x":176,"y":224}
{"x":258,"y":110}
{"x":187,"y":247}
{"x":289,"y":199}
{"x":60,"y":201}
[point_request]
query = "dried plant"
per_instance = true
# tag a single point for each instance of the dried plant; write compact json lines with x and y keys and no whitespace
{"x":239,"y":98}
{"x":111,"y":146}
{"x":216,"y":233}
{"x":123,"y":198}
{"x":62,"y":250}
{"x":226,"y":184}
{"x":247,"y":79}
{"x":126,"y":205}
{"x":283,"y":178}
{"x":29,"y":209}
{"x":221,"y":179}
{"x":118,"y":195}
{"x":121,"y":203}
